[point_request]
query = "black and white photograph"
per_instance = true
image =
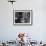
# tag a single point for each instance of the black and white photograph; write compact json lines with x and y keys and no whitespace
{"x":22,"y":16}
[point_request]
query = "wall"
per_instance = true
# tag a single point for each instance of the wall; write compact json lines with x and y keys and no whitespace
{"x":37,"y":31}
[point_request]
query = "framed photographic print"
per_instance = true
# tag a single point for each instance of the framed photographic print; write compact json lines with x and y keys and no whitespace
{"x":22,"y":17}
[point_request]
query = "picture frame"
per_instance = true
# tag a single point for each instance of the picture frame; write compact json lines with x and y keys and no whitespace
{"x":22,"y":17}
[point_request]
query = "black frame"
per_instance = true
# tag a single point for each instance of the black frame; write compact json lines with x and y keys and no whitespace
{"x":31,"y":17}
